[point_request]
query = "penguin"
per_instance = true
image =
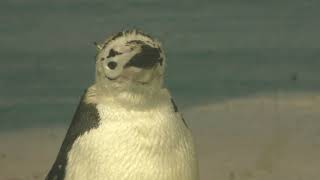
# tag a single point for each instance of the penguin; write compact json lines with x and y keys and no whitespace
{"x":127,"y":126}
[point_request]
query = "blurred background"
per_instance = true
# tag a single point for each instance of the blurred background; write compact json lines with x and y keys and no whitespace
{"x":244,"y":73}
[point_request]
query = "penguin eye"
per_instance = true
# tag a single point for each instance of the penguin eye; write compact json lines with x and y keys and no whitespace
{"x":113,"y":53}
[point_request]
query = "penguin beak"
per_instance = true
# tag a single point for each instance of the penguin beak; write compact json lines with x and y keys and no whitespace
{"x":147,"y":58}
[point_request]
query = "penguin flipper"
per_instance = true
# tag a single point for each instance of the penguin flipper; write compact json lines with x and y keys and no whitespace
{"x":85,"y":118}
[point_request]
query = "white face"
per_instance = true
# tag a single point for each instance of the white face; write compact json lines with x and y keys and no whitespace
{"x":130,"y":59}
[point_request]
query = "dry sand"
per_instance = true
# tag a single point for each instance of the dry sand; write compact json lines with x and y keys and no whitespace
{"x":274,"y":137}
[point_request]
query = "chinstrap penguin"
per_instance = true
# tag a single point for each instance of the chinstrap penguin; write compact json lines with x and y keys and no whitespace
{"x":127,"y":126}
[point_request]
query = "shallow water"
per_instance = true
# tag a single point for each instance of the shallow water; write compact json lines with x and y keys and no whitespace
{"x":216,"y":50}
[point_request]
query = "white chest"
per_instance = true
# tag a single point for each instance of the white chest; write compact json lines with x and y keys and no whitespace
{"x":134,"y":145}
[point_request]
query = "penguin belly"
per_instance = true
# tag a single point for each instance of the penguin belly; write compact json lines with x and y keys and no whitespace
{"x":134,"y":145}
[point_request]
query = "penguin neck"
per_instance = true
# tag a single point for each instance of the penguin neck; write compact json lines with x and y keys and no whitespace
{"x":135,"y":97}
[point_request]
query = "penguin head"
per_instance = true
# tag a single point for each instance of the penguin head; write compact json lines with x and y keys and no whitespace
{"x":130,"y":58}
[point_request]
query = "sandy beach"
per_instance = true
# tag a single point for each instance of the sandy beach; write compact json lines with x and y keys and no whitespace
{"x":263,"y":137}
